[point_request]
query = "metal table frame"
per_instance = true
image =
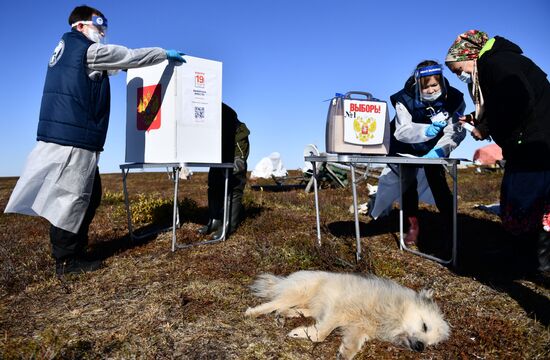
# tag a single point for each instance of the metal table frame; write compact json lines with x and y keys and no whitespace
{"x":351,"y":160}
{"x":176,"y":168}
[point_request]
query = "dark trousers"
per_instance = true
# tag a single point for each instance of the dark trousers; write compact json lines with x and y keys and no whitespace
{"x":216,"y":188}
{"x":66,"y":244}
{"x":435,"y":174}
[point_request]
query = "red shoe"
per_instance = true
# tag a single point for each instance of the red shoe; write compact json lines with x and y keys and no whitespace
{"x":412,"y":234}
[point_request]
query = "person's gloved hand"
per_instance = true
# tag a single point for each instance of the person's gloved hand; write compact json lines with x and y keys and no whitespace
{"x":440,"y":116}
{"x":175,"y":55}
{"x":435,"y":153}
{"x":239,"y":164}
{"x":435,"y":128}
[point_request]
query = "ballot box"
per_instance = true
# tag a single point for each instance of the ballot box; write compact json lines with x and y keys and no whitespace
{"x":357,"y":123}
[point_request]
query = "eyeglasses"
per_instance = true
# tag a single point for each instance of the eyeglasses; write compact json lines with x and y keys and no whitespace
{"x":99,"y":22}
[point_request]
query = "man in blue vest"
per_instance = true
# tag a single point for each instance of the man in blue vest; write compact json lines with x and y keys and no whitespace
{"x":61,"y":179}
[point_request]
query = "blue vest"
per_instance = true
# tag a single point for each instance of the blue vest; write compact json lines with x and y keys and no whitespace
{"x":449,"y":102}
{"x":75,"y":109}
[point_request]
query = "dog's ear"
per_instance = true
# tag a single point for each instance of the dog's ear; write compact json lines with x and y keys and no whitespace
{"x":427,"y":293}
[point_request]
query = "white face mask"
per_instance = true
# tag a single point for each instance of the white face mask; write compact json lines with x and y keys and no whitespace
{"x":465,"y":77}
{"x":93,"y":35}
{"x":431,"y":97}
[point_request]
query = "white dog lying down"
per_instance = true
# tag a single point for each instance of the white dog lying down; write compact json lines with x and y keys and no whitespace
{"x":362,"y":307}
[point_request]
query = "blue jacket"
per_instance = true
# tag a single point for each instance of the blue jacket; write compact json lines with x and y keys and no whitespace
{"x":75,"y":109}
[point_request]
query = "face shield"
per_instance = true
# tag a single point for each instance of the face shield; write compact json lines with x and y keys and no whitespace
{"x":429,"y":83}
{"x":96,"y":30}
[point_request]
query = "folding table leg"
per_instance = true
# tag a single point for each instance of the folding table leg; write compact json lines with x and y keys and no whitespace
{"x":127,"y":203}
{"x":175,"y":210}
{"x":225,"y":206}
{"x":317,"y":216}
{"x":356,"y":214}
{"x":401,"y":240}
{"x":225,"y":220}
{"x":454,"y":175}
{"x":419,"y":253}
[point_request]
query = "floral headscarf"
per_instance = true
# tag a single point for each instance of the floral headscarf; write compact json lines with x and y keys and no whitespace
{"x":467,"y":46}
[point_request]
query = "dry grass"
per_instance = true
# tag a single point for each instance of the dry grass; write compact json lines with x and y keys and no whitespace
{"x":151,"y":303}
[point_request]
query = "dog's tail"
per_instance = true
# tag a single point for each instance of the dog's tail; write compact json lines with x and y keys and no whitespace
{"x":264,"y":286}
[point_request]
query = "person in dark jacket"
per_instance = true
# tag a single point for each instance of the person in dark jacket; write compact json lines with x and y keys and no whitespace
{"x":512,"y":98}
{"x":235,"y":149}
{"x":61,"y":179}
{"x":425,"y":126}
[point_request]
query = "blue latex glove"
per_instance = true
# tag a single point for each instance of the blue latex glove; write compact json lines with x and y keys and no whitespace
{"x":435,"y":128}
{"x":435,"y":153}
{"x":175,"y":55}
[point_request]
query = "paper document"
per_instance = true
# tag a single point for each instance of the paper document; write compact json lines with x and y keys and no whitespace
{"x":407,"y":155}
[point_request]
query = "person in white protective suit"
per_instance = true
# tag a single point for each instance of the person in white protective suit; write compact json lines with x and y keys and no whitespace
{"x":425,"y":125}
{"x":61,"y":181}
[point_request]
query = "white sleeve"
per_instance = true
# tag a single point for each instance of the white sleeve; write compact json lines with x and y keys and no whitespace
{"x":406,"y":130}
{"x":115,"y":57}
{"x":453,"y":133}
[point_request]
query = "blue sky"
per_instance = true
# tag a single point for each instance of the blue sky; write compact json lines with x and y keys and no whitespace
{"x":281,"y":59}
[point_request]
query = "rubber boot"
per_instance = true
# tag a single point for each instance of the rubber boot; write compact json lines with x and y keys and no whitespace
{"x":543,"y":251}
{"x":235,"y":217}
{"x":76,"y":265}
{"x":211,"y":226}
{"x":203,"y":230}
{"x":411,"y":236}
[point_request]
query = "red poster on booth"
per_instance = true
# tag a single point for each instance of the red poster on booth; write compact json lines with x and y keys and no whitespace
{"x":148,"y":107}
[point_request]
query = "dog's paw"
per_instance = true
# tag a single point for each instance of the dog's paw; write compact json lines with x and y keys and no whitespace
{"x":250,"y":312}
{"x":343,"y":356}
{"x":298,"y":333}
{"x":303,"y":332}
{"x":345,"y":353}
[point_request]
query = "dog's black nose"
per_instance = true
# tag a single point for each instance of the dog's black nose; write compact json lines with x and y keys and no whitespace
{"x":417,"y":346}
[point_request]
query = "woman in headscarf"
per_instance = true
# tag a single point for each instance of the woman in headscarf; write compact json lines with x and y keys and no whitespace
{"x":512,"y":105}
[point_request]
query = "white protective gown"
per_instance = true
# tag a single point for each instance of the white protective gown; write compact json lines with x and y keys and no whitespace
{"x":57,"y":180}
{"x":410,"y":132}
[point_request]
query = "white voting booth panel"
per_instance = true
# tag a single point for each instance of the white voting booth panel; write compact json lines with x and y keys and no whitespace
{"x":173,"y":112}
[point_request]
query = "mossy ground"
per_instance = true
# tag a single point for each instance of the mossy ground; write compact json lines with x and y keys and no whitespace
{"x":151,"y":303}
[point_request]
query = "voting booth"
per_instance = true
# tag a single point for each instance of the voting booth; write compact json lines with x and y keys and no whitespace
{"x":357,"y":124}
{"x":174,"y":112}
{"x":174,"y":118}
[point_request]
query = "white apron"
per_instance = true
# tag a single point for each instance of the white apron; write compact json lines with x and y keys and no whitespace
{"x":388,"y":190}
{"x":56,"y":184}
